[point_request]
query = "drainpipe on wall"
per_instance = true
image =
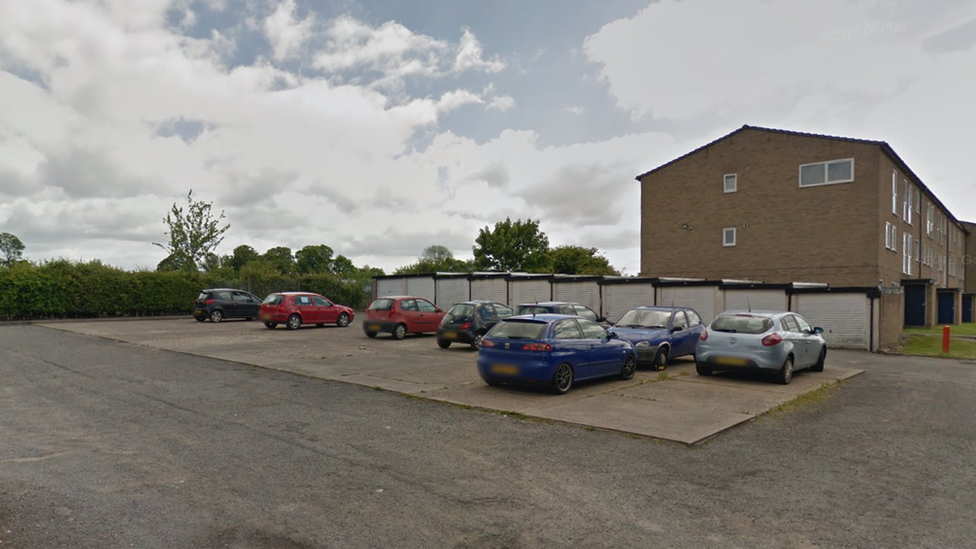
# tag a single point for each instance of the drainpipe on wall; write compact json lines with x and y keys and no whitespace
{"x":871,"y":332}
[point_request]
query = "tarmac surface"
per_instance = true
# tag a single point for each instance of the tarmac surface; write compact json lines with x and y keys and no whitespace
{"x":676,"y":405}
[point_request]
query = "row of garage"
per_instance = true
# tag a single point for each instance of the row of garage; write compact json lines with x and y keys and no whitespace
{"x":849,"y":316}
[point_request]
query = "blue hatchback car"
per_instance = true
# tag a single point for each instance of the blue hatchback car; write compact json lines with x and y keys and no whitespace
{"x":552,"y":350}
{"x":660,"y":333}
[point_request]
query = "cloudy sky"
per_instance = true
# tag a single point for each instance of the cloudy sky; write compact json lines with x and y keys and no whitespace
{"x":380,"y":127}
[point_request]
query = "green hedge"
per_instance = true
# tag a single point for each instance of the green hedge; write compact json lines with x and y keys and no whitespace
{"x":62,"y":289}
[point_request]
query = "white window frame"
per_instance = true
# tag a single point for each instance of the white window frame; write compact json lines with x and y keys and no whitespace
{"x":906,"y":254}
{"x":891,"y":237}
{"x":826,"y":165}
{"x":725,"y":232}
{"x":918,"y":202}
{"x":929,"y":219}
{"x":917,"y":250}
{"x":894,"y":193}
{"x":725,"y":183}
{"x":906,"y":205}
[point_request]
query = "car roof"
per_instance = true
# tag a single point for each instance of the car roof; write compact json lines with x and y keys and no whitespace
{"x":765,"y":313}
{"x":224,"y":290}
{"x":478,"y":302}
{"x":662,"y":308}
{"x":542,"y":317}
{"x":548,"y":303}
{"x":298,"y":293}
{"x":402,"y":297}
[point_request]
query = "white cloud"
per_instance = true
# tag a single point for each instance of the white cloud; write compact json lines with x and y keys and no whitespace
{"x":286,"y":33}
{"x":573,"y":110}
{"x":501,"y":103}
{"x":391,"y":47}
{"x":469,"y":55}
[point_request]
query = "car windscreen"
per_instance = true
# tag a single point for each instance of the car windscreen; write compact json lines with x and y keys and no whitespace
{"x":203,"y":296}
{"x":273,"y":299}
{"x":532,"y":310}
{"x":742,"y":324}
{"x":459,"y":311}
{"x":517,"y":329}
{"x":644,"y":318}
{"x":381,"y":305}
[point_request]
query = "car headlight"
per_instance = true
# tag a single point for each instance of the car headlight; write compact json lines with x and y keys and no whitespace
{"x":643,"y":344}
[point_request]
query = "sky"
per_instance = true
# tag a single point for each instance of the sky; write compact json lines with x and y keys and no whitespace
{"x":381,"y":127}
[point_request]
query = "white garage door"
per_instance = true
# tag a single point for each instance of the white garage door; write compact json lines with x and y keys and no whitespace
{"x":844,"y":317}
{"x":755,"y":300}
{"x":390,"y":286}
{"x":491,"y":289}
{"x":421,"y":287}
{"x":699,"y":298}
{"x":452,"y":290}
{"x":529,"y":291}
{"x":620,"y":298}
{"x":585,"y":293}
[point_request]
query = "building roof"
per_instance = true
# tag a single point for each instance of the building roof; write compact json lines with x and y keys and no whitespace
{"x":885,"y":147}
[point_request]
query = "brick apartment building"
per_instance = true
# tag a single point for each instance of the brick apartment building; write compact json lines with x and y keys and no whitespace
{"x":780,"y":206}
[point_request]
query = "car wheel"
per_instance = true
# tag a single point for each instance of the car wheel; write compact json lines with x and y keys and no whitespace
{"x":444,"y":344}
{"x":271,"y":325}
{"x":818,"y":367}
{"x":216,"y":316}
{"x":629,"y":368}
{"x":399,"y":331}
{"x":661,"y":358}
{"x":343,"y":320}
{"x":199,"y":318}
{"x":562,"y":380}
{"x":294,"y":322}
{"x":371,"y":334}
{"x":476,"y":342}
{"x":703,"y":370}
{"x":785,"y":374}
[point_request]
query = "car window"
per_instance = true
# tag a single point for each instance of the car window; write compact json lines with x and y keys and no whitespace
{"x":503,"y":311}
{"x":426,"y":306}
{"x":592,"y":330}
{"x":408,"y":305}
{"x":303,"y":300}
{"x":321,"y":301}
{"x":644,"y":318}
{"x":566,"y":329}
{"x":586,"y":312}
{"x":486,"y":311}
{"x":381,"y":305}
{"x":203,"y":296}
{"x":693,"y":318}
{"x":802,"y":323}
{"x":517,"y":329}
{"x":223,"y":296}
{"x":790,"y":324}
{"x":274,"y":299}
{"x":679,"y":320}
{"x":741,"y":324}
{"x":461,"y":310}
{"x":242,"y":297}
{"x":532,"y":310}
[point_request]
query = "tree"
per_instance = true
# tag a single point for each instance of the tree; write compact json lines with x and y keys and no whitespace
{"x":518,"y":246}
{"x":314,"y":259}
{"x":280,"y":258}
{"x":343,"y":267}
{"x":436,"y":259}
{"x":11,"y":248}
{"x":193,"y":233}
{"x":241,"y":256}
{"x":580,"y":260}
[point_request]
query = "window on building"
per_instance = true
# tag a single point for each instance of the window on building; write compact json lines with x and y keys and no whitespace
{"x":906,"y":254}
{"x":917,"y":250}
{"x":728,"y":236}
{"x":929,"y":219}
{"x":918,"y":201}
{"x":894,"y":193}
{"x":730,"y":183}
{"x":907,"y":207}
{"x":891,"y":237}
{"x":827,"y":173}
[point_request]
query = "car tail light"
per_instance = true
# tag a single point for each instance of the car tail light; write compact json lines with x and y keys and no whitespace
{"x":536,"y":347}
{"x":208,"y":302}
{"x":704,"y":336}
{"x":487,"y":343}
{"x":466,"y":325}
{"x":772,"y":339}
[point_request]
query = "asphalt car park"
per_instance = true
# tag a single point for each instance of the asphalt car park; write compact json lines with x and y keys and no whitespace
{"x":675,"y":404}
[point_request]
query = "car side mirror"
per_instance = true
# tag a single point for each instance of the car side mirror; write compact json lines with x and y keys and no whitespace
{"x":818,"y":330}
{"x":612,"y":335}
{"x":601,"y":319}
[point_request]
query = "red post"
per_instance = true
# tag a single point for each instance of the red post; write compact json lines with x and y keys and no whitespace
{"x":945,"y":339}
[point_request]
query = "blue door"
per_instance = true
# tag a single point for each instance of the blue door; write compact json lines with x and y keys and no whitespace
{"x":967,"y":308}
{"x":915,"y":305}
{"x":947,"y":307}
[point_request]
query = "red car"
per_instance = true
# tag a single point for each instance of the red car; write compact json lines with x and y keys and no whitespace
{"x":400,"y":315}
{"x":297,"y":308}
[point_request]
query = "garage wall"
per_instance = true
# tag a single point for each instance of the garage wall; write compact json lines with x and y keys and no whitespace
{"x":528,"y":291}
{"x":421,"y":287}
{"x":757,"y":300}
{"x":452,"y":290}
{"x":844,"y":317}
{"x":585,"y":293}
{"x":491,"y":289}
{"x":620,"y":298}
{"x":699,"y":298}
{"x":391,"y":286}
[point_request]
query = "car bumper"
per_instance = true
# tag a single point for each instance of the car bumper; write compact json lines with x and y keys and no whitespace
{"x":455,"y":336}
{"x":498,"y":370}
{"x":376,"y":326}
{"x":723,"y":359}
{"x":272,"y":317}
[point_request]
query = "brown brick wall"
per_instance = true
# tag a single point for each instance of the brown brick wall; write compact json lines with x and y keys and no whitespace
{"x":891,"y":316}
{"x":969,"y":259}
{"x":785,"y":233}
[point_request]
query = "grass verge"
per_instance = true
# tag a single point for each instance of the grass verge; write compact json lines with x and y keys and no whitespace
{"x":967,"y":329}
{"x":927,"y":345}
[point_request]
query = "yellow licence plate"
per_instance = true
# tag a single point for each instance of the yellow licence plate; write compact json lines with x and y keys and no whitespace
{"x":505,"y":369}
{"x":450,"y":335}
{"x":374,"y":327}
{"x":730,"y":361}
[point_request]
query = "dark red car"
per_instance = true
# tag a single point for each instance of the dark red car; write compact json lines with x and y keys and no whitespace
{"x":402,"y":315}
{"x":297,"y":308}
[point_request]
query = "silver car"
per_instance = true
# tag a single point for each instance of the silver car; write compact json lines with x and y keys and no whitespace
{"x":774,"y":342}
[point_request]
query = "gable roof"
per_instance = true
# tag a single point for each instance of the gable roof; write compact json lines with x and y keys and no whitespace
{"x":885,"y":147}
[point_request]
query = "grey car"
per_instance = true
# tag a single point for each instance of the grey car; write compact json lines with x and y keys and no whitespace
{"x":775,"y":342}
